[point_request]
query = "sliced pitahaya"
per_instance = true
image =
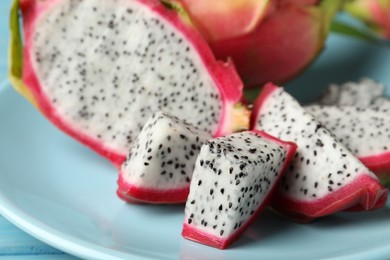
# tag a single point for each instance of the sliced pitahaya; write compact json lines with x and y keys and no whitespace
{"x":233,"y":180}
{"x":364,"y":131}
{"x":287,"y":35}
{"x":97,"y":70}
{"x":324,"y":177}
{"x":160,"y":164}
{"x":363,"y":93}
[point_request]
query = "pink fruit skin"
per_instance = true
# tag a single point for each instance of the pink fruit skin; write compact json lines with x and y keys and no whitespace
{"x":225,"y":75}
{"x":379,"y":164}
{"x":361,"y":195}
{"x":273,"y":41}
{"x":192,"y":233}
{"x":282,"y":45}
{"x":364,"y":193}
{"x":133,"y":194}
{"x":214,"y":19}
{"x":381,"y":16}
{"x":374,"y":12}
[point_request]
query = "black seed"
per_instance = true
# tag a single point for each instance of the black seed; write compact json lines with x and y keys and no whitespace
{"x":242,"y":166}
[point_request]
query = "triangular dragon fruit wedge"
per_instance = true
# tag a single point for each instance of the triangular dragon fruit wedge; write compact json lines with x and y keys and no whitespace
{"x":233,"y":180}
{"x":324,"y":177}
{"x":98,"y":69}
{"x":364,"y":131}
{"x":160,"y":164}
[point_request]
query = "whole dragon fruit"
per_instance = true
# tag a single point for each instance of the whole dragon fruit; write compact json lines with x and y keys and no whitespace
{"x":160,"y":164}
{"x":270,"y":40}
{"x":98,"y":69}
{"x":375,"y":13}
{"x":324,"y":177}
{"x":233,"y":180}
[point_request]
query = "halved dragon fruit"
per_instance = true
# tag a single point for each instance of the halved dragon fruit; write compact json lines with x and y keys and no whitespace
{"x":364,"y":131}
{"x":233,"y":180}
{"x":97,"y":70}
{"x":324,"y":176}
{"x":160,"y":164}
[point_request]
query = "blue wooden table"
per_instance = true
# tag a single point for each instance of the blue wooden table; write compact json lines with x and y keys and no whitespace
{"x":15,"y":243}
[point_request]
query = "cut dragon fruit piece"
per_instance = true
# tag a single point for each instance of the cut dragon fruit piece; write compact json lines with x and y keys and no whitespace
{"x":160,"y":164}
{"x":324,"y":176}
{"x":363,"y":93}
{"x":364,"y":131}
{"x":98,"y":70}
{"x":233,"y":180}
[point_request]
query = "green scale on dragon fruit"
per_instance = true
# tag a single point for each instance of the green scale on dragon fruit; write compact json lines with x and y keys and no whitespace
{"x":357,"y":113}
{"x":160,"y":164}
{"x":98,"y":70}
{"x":324,"y":177}
{"x":233,"y":180}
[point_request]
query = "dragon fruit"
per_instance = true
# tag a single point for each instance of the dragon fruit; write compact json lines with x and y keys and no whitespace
{"x":160,"y":164}
{"x":356,"y":113}
{"x":324,"y":176}
{"x":233,"y":180}
{"x":364,"y":131}
{"x":276,"y":40}
{"x":375,"y":13}
{"x":98,"y":70}
{"x":363,"y":93}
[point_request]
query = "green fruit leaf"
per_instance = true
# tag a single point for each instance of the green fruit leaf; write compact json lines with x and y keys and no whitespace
{"x":353,"y":31}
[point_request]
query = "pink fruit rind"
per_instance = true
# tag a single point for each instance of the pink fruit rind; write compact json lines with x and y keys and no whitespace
{"x":134,"y":194}
{"x":190,"y":232}
{"x":379,"y":164}
{"x":267,"y":90}
{"x":364,"y":193}
{"x":225,"y":76}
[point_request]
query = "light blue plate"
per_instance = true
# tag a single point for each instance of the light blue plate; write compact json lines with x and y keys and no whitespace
{"x":62,"y":193}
